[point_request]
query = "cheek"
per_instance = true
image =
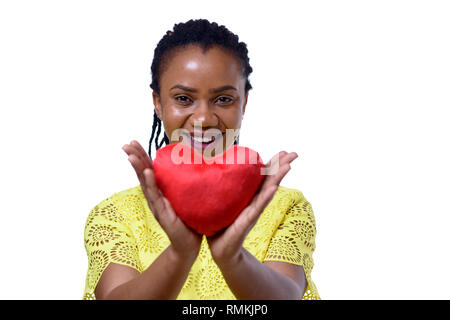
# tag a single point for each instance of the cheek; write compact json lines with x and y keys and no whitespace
{"x":231,"y":118}
{"x":174,"y":118}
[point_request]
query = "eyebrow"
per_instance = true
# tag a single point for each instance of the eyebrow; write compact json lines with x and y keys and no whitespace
{"x":223,"y":88}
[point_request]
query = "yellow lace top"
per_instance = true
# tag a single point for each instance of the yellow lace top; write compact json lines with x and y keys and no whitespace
{"x":123,"y":230}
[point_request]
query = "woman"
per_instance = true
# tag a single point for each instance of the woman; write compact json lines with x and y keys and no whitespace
{"x":137,"y":246}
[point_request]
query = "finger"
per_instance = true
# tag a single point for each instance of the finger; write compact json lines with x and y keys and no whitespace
{"x":273,"y":176}
{"x":132,"y":149}
{"x":277,"y":161}
{"x":137,"y":166}
{"x":155,"y":196}
{"x":162,"y":210}
{"x":151,"y":187}
{"x":271,"y":183}
{"x":272,"y":165}
{"x":176,"y":227}
{"x":172,"y":221}
{"x":260,"y":202}
{"x":151,"y":182}
{"x":287,"y":158}
{"x":250,"y":215}
{"x":275,"y":158}
{"x":290,"y":157}
{"x":152,"y":196}
{"x":163,"y":214}
{"x":171,"y":215}
{"x":276,"y":179}
{"x":144,"y":155}
{"x":129,"y":150}
{"x":263,"y":197}
{"x":248,"y":218}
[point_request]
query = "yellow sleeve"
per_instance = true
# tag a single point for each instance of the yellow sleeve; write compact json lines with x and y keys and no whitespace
{"x":294,"y":240}
{"x":107,"y":238}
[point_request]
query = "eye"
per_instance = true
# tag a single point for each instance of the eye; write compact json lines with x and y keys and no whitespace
{"x":183,"y":99}
{"x":225,"y":100}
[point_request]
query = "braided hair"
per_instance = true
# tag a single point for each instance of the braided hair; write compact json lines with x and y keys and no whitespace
{"x":205,"y":34}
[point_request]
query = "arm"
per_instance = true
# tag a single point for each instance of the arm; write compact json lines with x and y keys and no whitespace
{"x":163,"y":279}
{"x":250,"y":279}
{"x":246,"y":277}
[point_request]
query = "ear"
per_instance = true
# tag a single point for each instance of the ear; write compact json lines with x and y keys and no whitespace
{"x":157,"y":104}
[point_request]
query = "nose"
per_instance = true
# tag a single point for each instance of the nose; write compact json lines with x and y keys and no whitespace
{"x":204,"y":116}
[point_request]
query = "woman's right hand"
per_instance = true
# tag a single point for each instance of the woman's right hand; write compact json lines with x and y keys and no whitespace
{"x":184,"y":241}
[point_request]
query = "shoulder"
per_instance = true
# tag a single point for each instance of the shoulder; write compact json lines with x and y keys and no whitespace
{"x":121,"y":206}
{"x":293,"y":204}
{"x":284,"y":204}
{"x":291,"y":193}
{"x":124,"y":195}
{"x":120,"y":196}
{"x":285,"y":198}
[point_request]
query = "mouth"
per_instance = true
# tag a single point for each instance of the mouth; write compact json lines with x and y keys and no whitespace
{"x":204,"y":142}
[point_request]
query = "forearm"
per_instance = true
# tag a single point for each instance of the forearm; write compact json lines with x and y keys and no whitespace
{"x":250,"y":279}
{"x":162,"y":280}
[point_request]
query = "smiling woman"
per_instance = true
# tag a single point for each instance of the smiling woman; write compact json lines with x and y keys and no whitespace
{"x":197,"y":96}
{"x":137,"y":246}
{"x":211,"y":72}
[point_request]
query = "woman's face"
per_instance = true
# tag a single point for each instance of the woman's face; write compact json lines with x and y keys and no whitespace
{"x":202,"y":90}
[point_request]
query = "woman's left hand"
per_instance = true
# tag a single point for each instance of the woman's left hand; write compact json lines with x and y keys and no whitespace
{"x":226,"y":245}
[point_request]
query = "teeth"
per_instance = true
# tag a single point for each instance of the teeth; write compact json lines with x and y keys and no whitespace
{"x":202,"y":139}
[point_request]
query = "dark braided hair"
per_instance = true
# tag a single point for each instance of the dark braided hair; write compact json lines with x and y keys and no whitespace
{"x":205,"y":34}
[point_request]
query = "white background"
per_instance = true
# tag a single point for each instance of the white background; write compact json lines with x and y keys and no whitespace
{"x":359,"y":89}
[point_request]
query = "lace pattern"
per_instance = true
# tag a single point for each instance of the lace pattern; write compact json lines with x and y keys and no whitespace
{"x":123,"y":230}
{"x":294,"y":240}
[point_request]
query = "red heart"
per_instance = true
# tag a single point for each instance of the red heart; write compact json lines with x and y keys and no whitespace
{"x":207,"y":195}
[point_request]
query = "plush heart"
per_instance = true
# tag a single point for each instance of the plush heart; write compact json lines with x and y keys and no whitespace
{"x":207,"y":193}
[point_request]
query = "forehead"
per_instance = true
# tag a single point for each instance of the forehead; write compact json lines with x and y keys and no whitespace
{"x":192,"y":67}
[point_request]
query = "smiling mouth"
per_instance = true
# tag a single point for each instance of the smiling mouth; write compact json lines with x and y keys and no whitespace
{"x":203,"y":142}
{"x":204,"y":139}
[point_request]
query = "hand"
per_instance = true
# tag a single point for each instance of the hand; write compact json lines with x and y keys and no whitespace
{"x":226,"y":245}
{"x":184,"y":241}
